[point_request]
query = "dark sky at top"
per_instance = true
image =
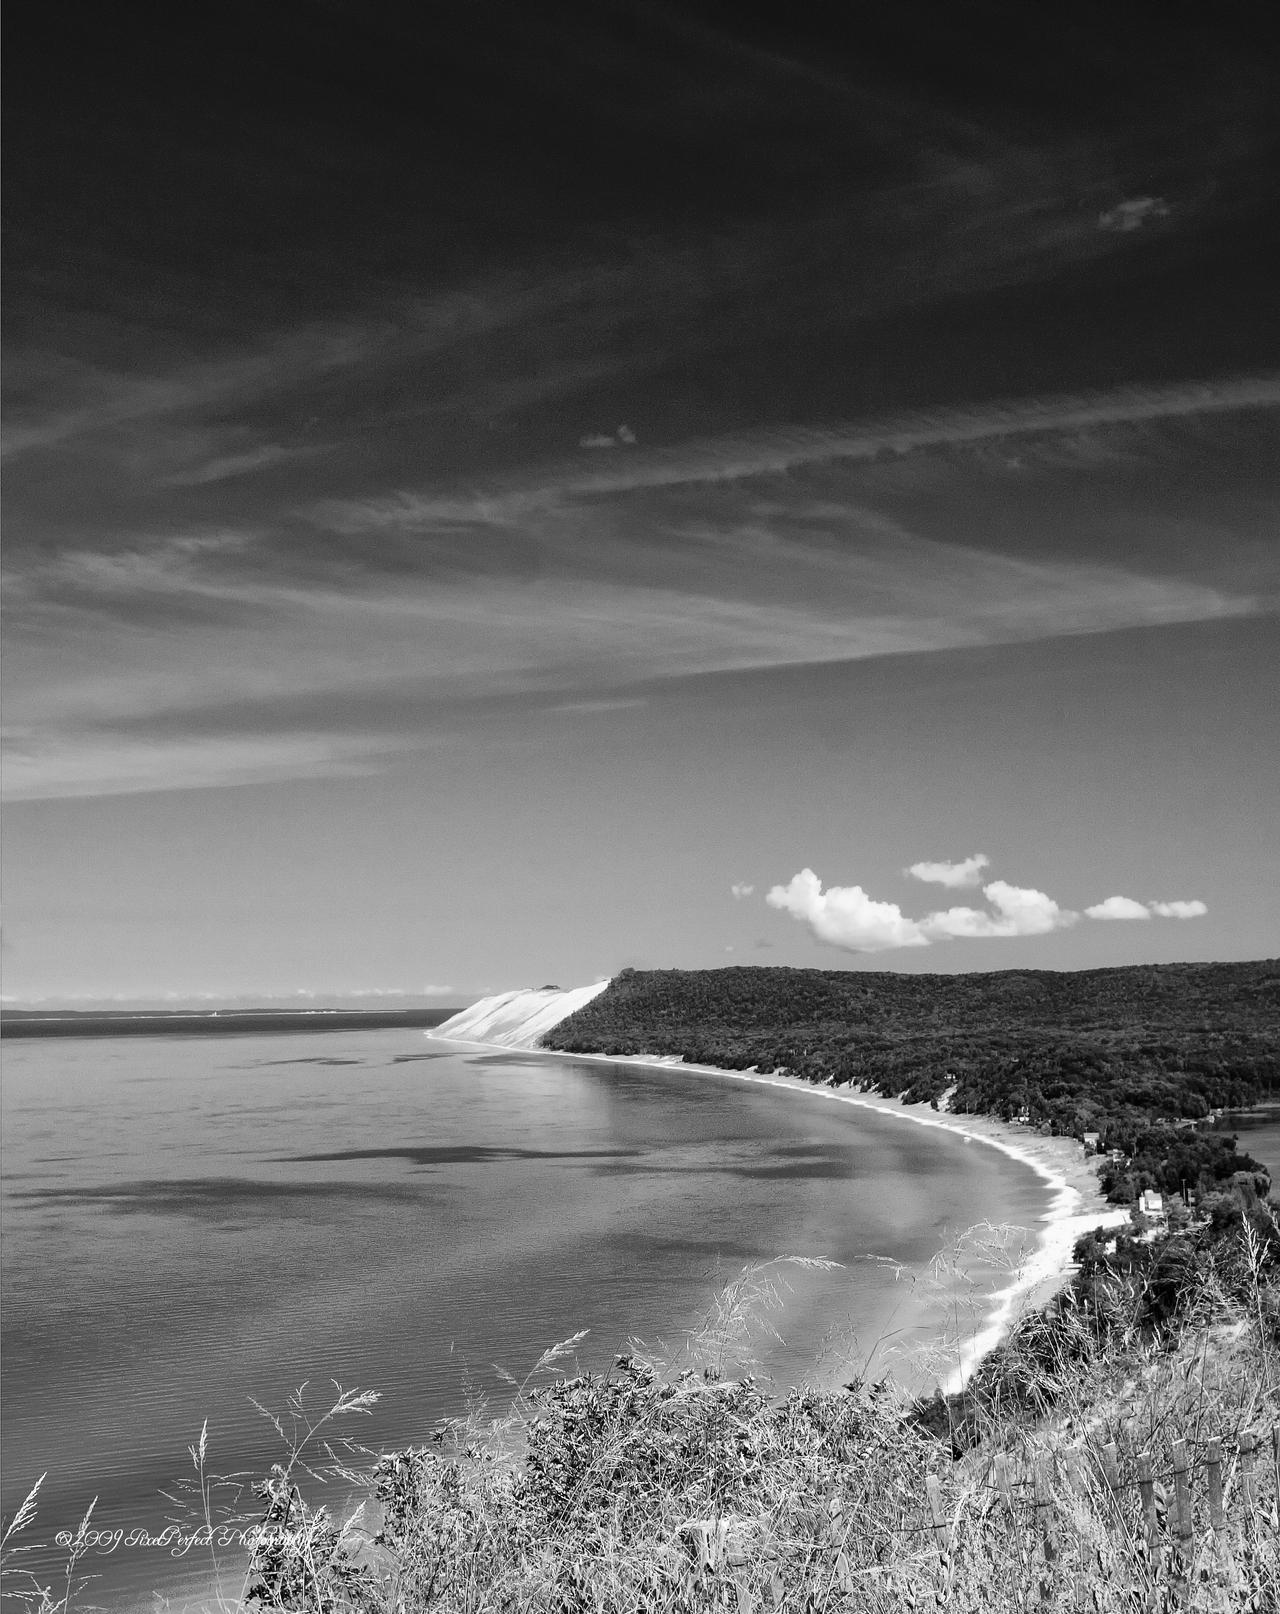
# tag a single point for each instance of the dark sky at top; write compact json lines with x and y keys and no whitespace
{"x":432,"y":426}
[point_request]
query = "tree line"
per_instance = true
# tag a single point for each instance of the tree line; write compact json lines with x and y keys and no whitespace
{"x":1127,"y":1053}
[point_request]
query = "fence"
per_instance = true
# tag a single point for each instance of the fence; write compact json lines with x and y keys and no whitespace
{"x":1100,"y":1528}
{"x":1097,"y":1531}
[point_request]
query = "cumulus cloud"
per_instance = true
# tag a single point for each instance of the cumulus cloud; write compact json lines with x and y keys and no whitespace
{"x":951,"y":874}
{"x":1119,"y":908}
{"x":1017,"y":911}
{"x":845,"y":916}
{"x":1127,"y":908}
{"x":740,"y":890}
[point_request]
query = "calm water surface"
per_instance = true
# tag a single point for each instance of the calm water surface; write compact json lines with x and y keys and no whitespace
{"x":1257,"y":1134}
{"x":190,"y":1222}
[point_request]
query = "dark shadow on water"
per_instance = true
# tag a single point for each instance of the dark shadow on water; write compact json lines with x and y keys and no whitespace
{"x":512,"y":1061}
{"x":266,"y":1064}
{"x":711,"y":1250}
{"x":462,"y":1154}
{"x":792,"y":1162}
{"x":214,"y":1196}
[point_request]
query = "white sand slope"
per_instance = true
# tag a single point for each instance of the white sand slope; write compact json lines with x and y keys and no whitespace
{"x":517,"y":1019}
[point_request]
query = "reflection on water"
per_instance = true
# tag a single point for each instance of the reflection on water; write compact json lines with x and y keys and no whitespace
{"x":191,"y":1222}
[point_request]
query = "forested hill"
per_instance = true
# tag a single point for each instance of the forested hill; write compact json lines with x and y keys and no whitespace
{"x":1111,"y":1050}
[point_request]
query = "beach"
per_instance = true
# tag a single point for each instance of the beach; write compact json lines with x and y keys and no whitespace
{"x":1076,"y":1204}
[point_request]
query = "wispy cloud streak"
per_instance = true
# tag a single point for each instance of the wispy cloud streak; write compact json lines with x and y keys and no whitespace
{"x":776,"y":452}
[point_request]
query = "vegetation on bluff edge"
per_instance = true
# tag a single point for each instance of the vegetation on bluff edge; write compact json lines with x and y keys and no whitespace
{"x":1133,"y":1054}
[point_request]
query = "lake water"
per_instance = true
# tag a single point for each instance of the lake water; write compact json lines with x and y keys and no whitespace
{"x":193,"y":1221}
{"x":1257,"y":1134}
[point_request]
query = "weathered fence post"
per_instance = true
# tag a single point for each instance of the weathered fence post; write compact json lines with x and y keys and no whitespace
{"x":1111,"y":1473}
{"x":1248,"y":1444}
{"x":1000,"y":1473}
{"x":1213,"y":1464}
{"x":941,"y":1531}
{"x":1183,"y":1528}
{"x":1226,"y":1575}
{"x":937,"y":1513}
{"x":1043,"y":1490}
{"x":1275,"y":1465}
{"x":1147,"y":1490}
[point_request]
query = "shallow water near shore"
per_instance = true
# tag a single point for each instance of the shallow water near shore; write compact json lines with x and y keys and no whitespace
{"x":193,"y":1221}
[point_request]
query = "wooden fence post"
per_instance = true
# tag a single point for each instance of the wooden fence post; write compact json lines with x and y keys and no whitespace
{"x":938,"y":1514}
{"x":1275,"y":1465}
{"x":1001,"y":1477}
{"x":1044,"y":1504}
{"x":1248,"y":1444}
{"x":1111,"y":1473}
{"x":1213,"y":1464}
{"x":1183,"y":1528}
{"x":1146,"y":1487}
{"x":1226,"y":1575}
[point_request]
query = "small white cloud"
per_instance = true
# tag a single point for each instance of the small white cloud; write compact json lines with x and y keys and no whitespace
{"x":1133,"y":214}
{"x":1193,"y":909}
{"x":966,"y":872}
{"x":1019,"y":911}
{"x":845,"y":916}
{"x":741,"y":891}
{"x":1119,"y":908}
{"x":1127,"y":908}
{"x":626,"y":435}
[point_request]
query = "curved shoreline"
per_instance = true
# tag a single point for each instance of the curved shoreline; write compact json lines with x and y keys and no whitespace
{"x":1075,"y":1205}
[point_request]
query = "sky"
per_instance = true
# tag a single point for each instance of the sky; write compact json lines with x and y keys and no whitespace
{"x":495,"y":494}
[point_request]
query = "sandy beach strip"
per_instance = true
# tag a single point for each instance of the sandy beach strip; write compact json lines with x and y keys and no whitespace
{"x":1076,"y":1204}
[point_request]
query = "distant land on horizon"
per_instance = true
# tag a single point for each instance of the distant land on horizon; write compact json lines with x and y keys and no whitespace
{"x":207,"y":1022}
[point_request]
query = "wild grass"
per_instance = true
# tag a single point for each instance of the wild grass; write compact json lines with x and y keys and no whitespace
{"x":677,"y":1483}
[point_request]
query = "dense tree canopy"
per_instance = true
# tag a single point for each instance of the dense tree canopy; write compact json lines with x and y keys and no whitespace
{"x":1123,"y":1052}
